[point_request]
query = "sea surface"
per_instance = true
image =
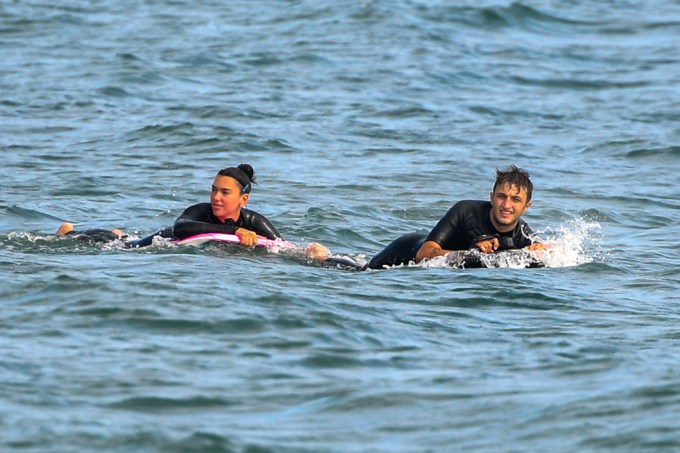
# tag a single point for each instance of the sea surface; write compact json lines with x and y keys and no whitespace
{"x":364,"y":120}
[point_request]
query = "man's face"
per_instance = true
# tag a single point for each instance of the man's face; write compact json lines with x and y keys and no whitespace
{"x":508,"y":203}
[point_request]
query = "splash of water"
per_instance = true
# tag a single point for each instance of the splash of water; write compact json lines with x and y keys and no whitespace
{"x":575,"y":242}
{"x":19,"y":240}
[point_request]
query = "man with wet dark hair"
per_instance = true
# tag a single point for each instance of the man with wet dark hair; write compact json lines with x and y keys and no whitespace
{"x":489,"y":226}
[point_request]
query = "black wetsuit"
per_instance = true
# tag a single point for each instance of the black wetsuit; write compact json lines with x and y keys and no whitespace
{"x":469,"y":221}
{"x":199,"y":219}
{"x":465,"y":224}
{"x":95,"y":235}
{"x":196,"y":219}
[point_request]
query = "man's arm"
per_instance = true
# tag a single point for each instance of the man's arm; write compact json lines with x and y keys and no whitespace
{"x":430,"y":249}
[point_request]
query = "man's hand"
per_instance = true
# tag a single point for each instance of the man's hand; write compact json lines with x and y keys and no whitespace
{"x":538,"y":246}
{"x":247,"y":237}
{"x":488,"y":245}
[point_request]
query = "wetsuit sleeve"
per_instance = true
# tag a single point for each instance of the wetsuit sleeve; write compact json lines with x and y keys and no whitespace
{"x":447,"y":227}
{"x":262,"y":226}
{"x":191,"y":222}
{"x":185,"y":228}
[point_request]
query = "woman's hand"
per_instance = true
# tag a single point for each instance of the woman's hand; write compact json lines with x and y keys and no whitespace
{"x":317,"y":252}
{"x":247,"y":237}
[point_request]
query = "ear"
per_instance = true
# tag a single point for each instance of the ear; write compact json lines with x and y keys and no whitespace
{"x":491,"y":197}
{"x":526,"y":208}
{"x":244,"y":200}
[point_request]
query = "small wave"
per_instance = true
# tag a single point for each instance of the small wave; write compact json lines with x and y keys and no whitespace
{"x":402,"y":112}
{"x":163,"y":129}
{"x":523,"y":16}
{"x":113,"y":91}
{"x":128,"y":56}
{"x":576,"y":84}
{"x":661,"y":153}
{"x":28,"y":242}
{"x":149,"y":324}
{"x":25,"y":241}
{"x":263,"y":59}
{"x":206,"y":59}
{"x":25,"y":214}
{"x":515,"y":16}
{"x":161,"y":404}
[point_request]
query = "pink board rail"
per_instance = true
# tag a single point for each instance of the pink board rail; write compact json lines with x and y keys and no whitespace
{"x":231,"y":238}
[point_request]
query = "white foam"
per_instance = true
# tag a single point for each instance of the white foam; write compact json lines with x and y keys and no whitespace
{"x":575,"y":242}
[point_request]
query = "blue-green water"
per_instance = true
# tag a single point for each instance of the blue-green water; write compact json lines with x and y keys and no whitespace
{"x":363,"y":120}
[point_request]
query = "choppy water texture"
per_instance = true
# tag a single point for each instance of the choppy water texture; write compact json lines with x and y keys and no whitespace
{"x":363,"y":120}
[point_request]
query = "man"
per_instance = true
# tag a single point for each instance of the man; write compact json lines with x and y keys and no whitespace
{"x":489,"y":226}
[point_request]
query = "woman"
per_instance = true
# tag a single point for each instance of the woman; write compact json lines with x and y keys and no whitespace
{"x":226,"y":213}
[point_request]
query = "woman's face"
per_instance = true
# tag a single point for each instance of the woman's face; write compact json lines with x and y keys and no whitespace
{"x":226,"y":199}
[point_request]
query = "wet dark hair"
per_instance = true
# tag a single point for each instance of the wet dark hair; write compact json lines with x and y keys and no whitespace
{"x":243,"y":174}
{"x":514,"y":176}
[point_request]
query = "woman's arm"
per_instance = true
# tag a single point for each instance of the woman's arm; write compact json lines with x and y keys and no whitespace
{"x":194,"y":220}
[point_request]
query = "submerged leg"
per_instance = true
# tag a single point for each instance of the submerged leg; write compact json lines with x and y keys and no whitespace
{"x":94,"y":235}
{"x":400,"y":251}
{"x":148,"y":240}
{"x":342,"y":263}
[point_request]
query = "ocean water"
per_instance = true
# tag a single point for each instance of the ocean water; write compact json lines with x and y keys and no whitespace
{"x":363,"y":121}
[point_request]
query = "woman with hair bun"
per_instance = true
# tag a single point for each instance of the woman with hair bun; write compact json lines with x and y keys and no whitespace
{"x":225,"y":213}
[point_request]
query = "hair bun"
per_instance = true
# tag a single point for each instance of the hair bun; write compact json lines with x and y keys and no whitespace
{"x":248,"y":170}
